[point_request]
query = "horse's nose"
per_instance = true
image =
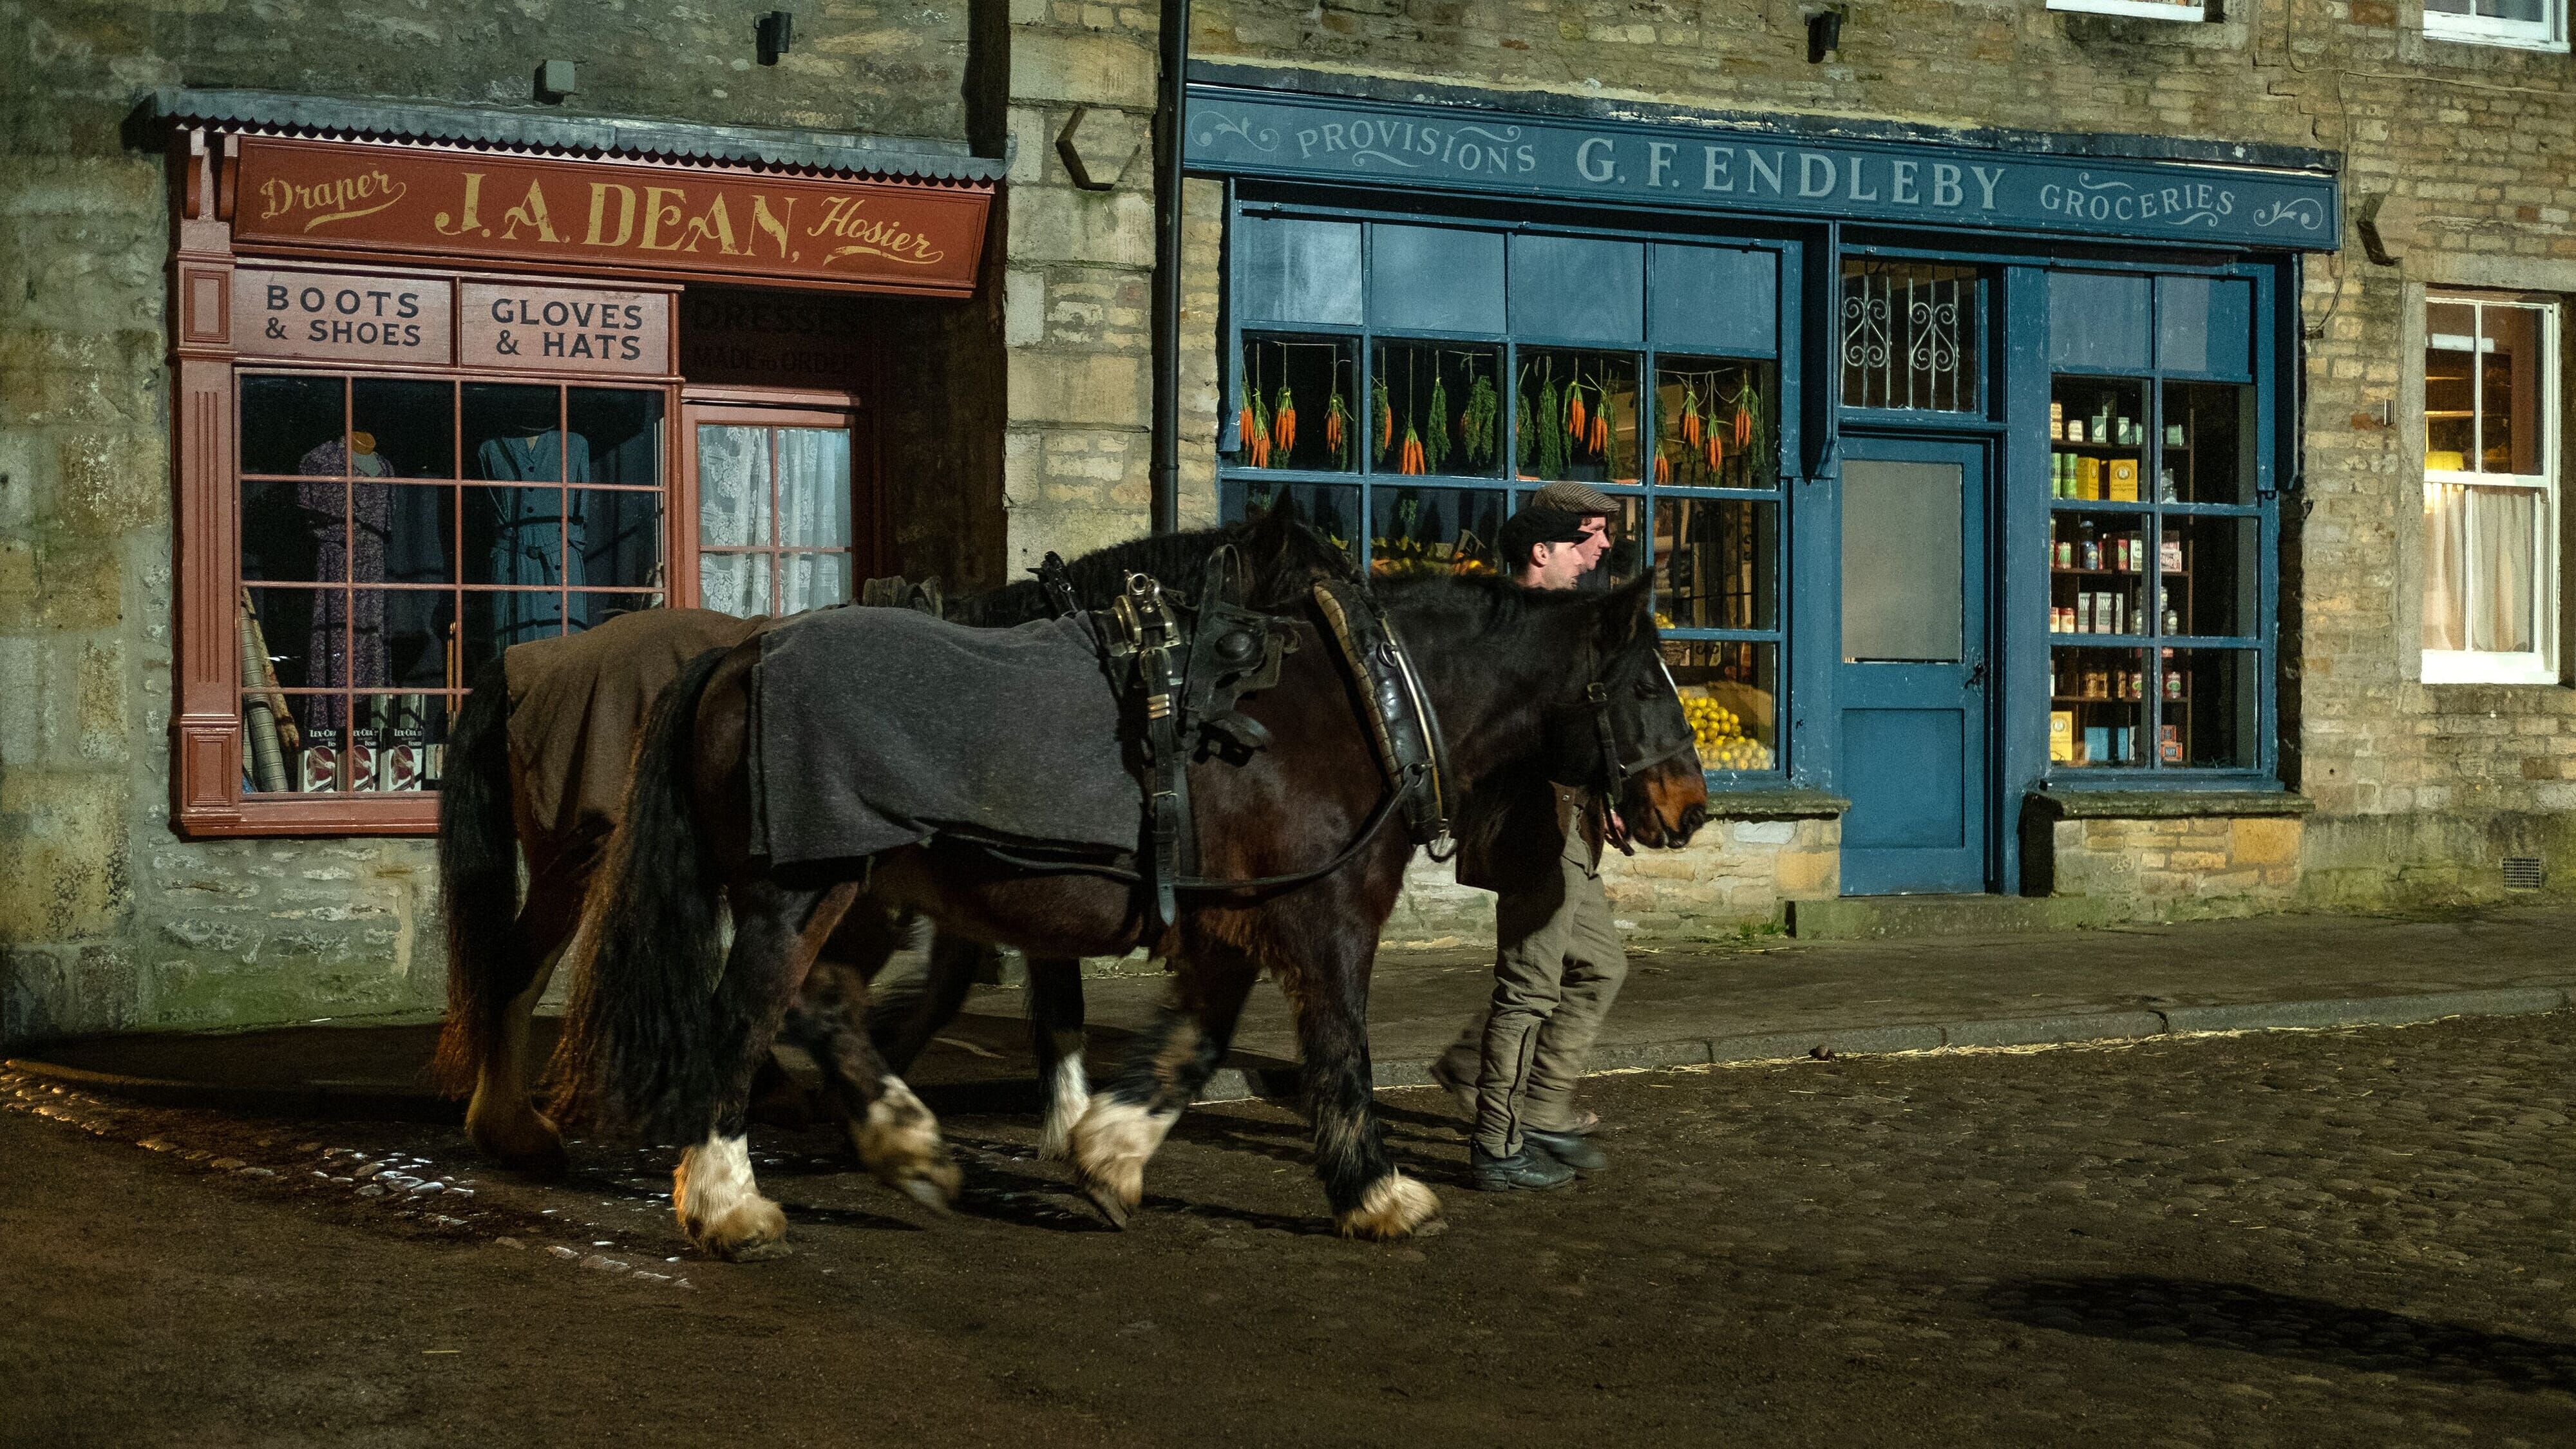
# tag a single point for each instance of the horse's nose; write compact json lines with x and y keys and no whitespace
{"x":1692,"y":819}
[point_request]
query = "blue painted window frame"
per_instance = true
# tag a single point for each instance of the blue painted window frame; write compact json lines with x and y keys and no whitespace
{"x":1787,"y":350}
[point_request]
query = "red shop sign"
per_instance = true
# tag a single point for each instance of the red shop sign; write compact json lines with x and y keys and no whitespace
{"x":661,"y":220}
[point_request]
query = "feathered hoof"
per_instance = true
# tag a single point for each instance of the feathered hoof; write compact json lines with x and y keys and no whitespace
{"x":899,"y":1141}
{"x":1110,"y":1147}
{"x":1395,"y":1206}
{"x":523,"y":1141}
{"x":746,"y":1232}
{"x":1115,"y":1209}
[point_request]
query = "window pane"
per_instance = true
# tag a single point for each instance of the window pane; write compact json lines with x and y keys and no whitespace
{"x":2097,"y":440}
{"x":1578,"y":289}
{"x":2205,"y":325}
{"x":814,"y":487}
{"x":277,"y":635}
{"x":406,"y":533}
{"x":2209,"y":575}
{"x":398,"y":638}
{"x":733,"y":486}
{"x":2208,"y":450}
{"x":2209,"y":708}
{"x":292,"y":425}
{"x":2479,"y":588}
{"x":621,"y":538}
{"x":1435,"y":279}
{"x":2097,"y":707}
{"x":812,"y":581}
{"x":1415,"y":531}
{"x":309,"y":746}
{"x":402,"y":428}
{"x":2099,"y":320}
{"x":1331,"y":509}
{"x":1715,"y":299}
{"x":2509,"y":403}
{"x":515,"y":434}
{"x":589,"y":611}
{"x":1575,"y":416}
{"x":734,"y":583}
{"x":1439,"y":409}
{"x":1909,"y":335}
{"x":1298,"y":404}
{"x":515,"y":536}
{"x":1901,"y":561}
{"x":1732,"y":694}
{"x":1297,"y":271}
{"x":280,"y":522}
{"x":1718,"y":563}
{"x":2450,"y":387}
{"x":497,"y":619}
{"x":1716,"y":423}
{"x":622,"y":428}
{"x":2097,"y":572}
{"x":1624,"y":558}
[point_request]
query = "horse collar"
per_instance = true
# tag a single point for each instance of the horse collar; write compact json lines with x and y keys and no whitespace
{"x":1411,"y":747}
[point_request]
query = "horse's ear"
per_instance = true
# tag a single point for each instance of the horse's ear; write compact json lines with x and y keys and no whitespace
{"x":1627,"y":614}
{"x":1281,"y":513}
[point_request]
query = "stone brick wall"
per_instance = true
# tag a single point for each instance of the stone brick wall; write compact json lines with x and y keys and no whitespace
{"x":1735,"y":876}
{"x":2164,"y":869}
{"x":106,"y":918}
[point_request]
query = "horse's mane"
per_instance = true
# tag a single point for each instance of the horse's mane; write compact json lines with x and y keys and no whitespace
{"x":1177,"y":559}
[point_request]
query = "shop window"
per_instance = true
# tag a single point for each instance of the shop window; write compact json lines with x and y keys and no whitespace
{"x":1909,"y":335}
{"x":1484,"y":364}
{"x":2491,"y":420}
{"x":2527,"y":24}
{"x":398,"y":533}
{"x":2155,"y":531}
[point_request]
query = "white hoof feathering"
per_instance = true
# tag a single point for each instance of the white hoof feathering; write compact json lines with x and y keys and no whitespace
{"x":1068,"y":1097}
{"x":719,"y":1204}
{"x":900,"y":1143}
{"x":1112,"y":1143}
{"x":1394,"y":1207}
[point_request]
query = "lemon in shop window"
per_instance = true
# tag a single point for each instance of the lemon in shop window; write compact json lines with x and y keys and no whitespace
{"x":1719,"y":733}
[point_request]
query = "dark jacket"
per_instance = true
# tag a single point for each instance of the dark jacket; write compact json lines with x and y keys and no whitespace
{"x":1512,"y":843}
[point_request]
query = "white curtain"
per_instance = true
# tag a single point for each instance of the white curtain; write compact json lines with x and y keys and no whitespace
{"x":813,"y":513}
{"x":2477,"y":567}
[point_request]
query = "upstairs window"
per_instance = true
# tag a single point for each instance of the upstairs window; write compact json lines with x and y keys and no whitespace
{"x":2529,"y":24}
{"x":2491,"y":441}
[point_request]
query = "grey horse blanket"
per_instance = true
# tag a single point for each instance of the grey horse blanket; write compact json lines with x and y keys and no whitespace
{"x":883,"y":727}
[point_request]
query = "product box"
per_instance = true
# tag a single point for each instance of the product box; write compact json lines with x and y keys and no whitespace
{"x":2169,"y":555}
{"x":318,"y":767}
{"x":2056,"y":419}
{"x":2088,"y":478}
{"x":2120,"y":751}
{"x":2097,"y":745}
{"x":2123,"y":480}
{"x":2084,"y":613}
{"x":2061,"y":736}
{"x":2169,"y":744}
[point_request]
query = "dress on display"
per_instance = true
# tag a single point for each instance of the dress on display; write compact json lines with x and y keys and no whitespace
{"x":348,"y":640}
{"x":538,"y":539}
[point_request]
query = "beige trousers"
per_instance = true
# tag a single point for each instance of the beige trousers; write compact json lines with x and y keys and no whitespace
{"x":1557,"y":968}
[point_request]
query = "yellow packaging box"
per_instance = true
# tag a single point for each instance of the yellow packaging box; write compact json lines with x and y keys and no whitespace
{"x":2123,"y":481}
{"x":2061,"y":736}
{"x":2088,"y":478}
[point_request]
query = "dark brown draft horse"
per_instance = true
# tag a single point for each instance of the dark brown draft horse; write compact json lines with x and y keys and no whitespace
{"x":663,"y":1037}
{"x":522,"y":785}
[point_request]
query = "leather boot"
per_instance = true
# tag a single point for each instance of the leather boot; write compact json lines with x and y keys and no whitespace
{"x":1528,"y":1168}
{"x":1571,"y":1148}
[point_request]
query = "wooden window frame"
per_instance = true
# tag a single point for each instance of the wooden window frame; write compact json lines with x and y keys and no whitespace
{"x":773,"y":408}
{"x":2539,"y":665}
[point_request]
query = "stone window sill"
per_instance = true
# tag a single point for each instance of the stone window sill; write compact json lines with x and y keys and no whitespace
{"x":2168,"y":804}
{"x":1775,"y":804}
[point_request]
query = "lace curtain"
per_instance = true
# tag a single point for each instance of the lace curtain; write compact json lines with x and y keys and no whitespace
{"x":734,"y":512}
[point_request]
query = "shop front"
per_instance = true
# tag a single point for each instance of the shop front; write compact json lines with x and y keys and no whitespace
{"x":1956,"y":460}
{"x":451,"y":380}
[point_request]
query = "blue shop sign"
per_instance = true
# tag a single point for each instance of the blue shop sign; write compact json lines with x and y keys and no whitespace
{"x":1716,"y":168}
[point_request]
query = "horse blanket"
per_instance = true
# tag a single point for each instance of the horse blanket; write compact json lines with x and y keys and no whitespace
{"x":876,"y":728}
{"x":577,"y":705}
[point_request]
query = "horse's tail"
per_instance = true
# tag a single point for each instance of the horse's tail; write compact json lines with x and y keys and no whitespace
{"x":478,"y":872}
{"x":638,"y":1044}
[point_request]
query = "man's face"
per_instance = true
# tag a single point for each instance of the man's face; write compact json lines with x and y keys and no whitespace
{"x":1596,"y":540}
{"x":1556,"y":565}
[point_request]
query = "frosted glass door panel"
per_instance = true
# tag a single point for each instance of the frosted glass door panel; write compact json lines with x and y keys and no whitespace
{"x":1901,"y":561}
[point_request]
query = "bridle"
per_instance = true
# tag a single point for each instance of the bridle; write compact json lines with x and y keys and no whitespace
{"x":1617,"y":769}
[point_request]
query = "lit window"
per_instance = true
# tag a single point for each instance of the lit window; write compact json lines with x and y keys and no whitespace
{"x":2490,"y":492}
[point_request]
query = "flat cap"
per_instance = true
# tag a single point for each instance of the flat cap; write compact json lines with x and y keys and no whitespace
{"x":1567,"y":496}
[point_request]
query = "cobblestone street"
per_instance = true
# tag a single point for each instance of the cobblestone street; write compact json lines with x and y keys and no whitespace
{"x":2348,"y":1237}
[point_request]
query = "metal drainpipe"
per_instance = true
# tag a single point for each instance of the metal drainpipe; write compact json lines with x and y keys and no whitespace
{"x":1166,"y":465}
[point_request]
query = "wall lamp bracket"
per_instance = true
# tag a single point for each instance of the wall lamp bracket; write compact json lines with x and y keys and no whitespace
{"x":1824,"y":35}
{"x":775,"y":31}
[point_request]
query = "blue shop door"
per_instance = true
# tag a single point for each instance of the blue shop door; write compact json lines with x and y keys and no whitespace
{"x":1912,"y":685}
